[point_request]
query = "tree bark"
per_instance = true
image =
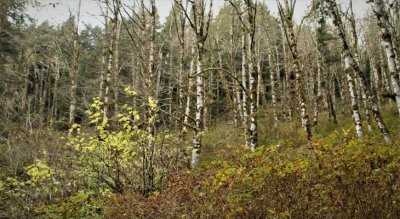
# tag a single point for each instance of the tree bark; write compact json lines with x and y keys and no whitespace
{"x":74,"y":77}
{"x":352,"y":65}
{"x":386,"y":38}
{"x":112,"y":50}
{"x":189,"y":89}
{"x":200,"y":23}
{"x":273,"y":83}
{"x":245,"y":118}
{"x":287,"y":20}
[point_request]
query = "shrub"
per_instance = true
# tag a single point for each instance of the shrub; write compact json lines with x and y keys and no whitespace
{"x":337,"y":176}
{"x":129,"y":158}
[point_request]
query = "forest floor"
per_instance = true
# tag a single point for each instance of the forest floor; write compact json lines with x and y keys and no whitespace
{"x":335,"y":175}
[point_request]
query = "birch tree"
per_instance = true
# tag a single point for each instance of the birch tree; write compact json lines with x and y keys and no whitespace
{"x":199,"y":20}
{"x":180,"y":25}
{"x":252,"y":67}
{"x":247,"y":17}
{"x":320,"y":51}
{"x":111,"y":62}
{"x":387,"y":43}
{"x":151,"y":106}
{"x":74,"y":69}
{"x":273,"y":80}
{"x":356,"y":56}
{"x":286,"y":15}
{"x":351,"y":64}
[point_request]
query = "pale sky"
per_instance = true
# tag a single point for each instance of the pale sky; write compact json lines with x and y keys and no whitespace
{"x":90,"y":10}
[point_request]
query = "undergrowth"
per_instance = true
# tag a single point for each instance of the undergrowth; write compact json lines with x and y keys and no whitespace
{"x":334,"y":176}
{"x":337,"y":176}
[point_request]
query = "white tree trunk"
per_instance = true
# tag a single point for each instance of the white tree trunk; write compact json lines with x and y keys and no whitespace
{"x":354,"y":100}
{"x":199,"y":107}
{"x":111,"y":58}
{"x":245,"y":113}
{"x":273,"y":85}
{"x":383,"y":22}
{"x":189,"y":90}
{"x":352,"y":64}
{"x":292,"y":41}
{"x":74,"y":78}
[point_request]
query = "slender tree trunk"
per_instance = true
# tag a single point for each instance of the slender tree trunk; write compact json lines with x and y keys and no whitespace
{"x":55,"y":89}
{"x":350,"y":65}
{"x":251,"y":11}
{"x":330,"y":95}
{"x":286,"y":17}
{"x":116,"y":64}
{"x":43,"y":94}
{"x":152,"y":102}
{"x":200,"y":23}
{"x":189,"y":89}
{"x":288,"y":86}
{"x":386,"y":38}
{"x":74,"y":79}
{"x":199,"y":105}
{"x":105,"y":53}
{"x":356,"y":57}
{"x":237,"y":103}
{"x":245,"y":114}
{"x":158,"y":88}
{"x":259,"y":77}
{"x":180,"y":25}
{"x":181,"y":70}
{"x":111,"y":59}
{"x":353,"y":99}
{"x":207,"y":89}
{"x":318,"y":98}
{"x":36,"y":85}
{"x":74,"y":70}
{"x":273,"y":84}
{"x":386,"y":88}
{"x":134,"y":77}
{"x":347,"y":59}
{"x":170,"y":86}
